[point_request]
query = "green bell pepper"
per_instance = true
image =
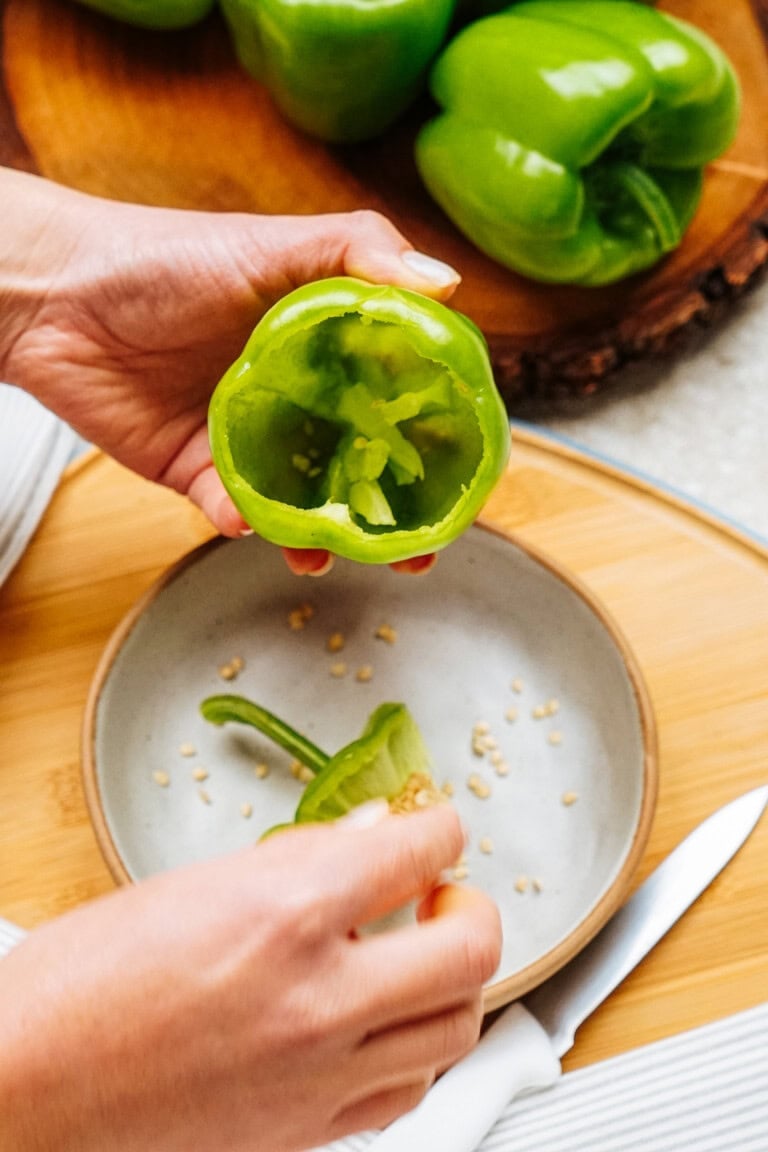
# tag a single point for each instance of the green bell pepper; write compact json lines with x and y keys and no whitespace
{"x":573,"y":135}
{"x":153,"y":13}
{"x":362,"y":419}
{"x":341,"y":70}
{"x":389,"y":760}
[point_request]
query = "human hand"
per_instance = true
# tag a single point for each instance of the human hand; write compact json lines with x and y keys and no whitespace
{"x":131,"y":314}
{"x":233,"y":1005}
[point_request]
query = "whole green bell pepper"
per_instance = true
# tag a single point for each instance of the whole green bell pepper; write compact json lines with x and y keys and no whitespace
{"x":573,"y":135}
{"x":362,"y":419}
{"x":388,"y":755}
{"x":341,"y":70}
{"x":153,"y":13}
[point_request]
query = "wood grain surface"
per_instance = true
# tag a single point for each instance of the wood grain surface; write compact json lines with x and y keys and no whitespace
{"x":690,"y":595}
{"x":167,"y":118}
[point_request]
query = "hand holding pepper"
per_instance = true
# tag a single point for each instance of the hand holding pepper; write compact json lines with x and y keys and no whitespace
{"x":122,"y":318}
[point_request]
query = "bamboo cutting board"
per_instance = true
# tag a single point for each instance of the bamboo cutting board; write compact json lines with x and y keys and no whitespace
{"x":690,"y":594}
{"x":170,"y":119}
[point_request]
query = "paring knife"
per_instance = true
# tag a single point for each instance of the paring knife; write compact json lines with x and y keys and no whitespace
{"x":521,"y":1050}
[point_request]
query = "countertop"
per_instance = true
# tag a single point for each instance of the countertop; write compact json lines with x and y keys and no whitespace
{"x":696,"y":422}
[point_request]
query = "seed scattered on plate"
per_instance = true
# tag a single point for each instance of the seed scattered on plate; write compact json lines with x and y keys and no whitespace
{"x":261,"y":770}
{"x":481,"y":728}
{"x":204,"y":796}
{"x":517,"y":685}
{"x":232,"y":669}
{"x":502,"y":768}
{"x":521,"y":884}
{"x":496,"y":758}
{"x":300,"y":772}
{"x":386,"y":633}
{"x":335,"y":642}
{"x":200,"y":774}
{"x":161,"y":778}
{"x":448,"y":789}
{"x":478,"y":787}
{"x":460,"y":872}
{"x":539,"y":712}
{"x":246,"y":810}
{"x":510,"y":715}
{"x":364,"y":674}
{"x":555,"y":737}
{"x":569,"y":798}
{"x":299,"y":616}
{"x":187,"y":750}
{"x":537,"y":885}
{"x":486,"y":845}
{"x":338,"y":669}
{"x":553,"y":706}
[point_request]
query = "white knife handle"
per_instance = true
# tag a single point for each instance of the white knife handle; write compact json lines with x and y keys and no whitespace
{"x":513,"y":1057}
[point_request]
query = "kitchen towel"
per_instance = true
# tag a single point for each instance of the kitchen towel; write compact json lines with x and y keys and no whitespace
{"x":35,"y":447}
{"x":705,"y":1090}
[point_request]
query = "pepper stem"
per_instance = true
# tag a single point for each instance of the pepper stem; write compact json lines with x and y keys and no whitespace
{"x":221,"y":709}
{"x":647,"y":195}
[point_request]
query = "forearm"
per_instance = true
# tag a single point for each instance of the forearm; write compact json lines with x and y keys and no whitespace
{"x":41,"y":222}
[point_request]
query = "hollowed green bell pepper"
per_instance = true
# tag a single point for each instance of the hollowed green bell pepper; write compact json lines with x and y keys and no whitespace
{"x":573,"y":135}
{"x":153,"y":13}
{"x":379,"y":764}
{"x":341,"y":70}
{"x":362,"y":419}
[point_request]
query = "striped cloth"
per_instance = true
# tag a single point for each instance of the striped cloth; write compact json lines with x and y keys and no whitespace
{"x":35,"y":447}
{"x":701,"y":1091}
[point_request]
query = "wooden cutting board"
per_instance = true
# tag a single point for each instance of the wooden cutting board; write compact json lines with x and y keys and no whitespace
{"x":690,"y":594}
{"x":170,"y":119}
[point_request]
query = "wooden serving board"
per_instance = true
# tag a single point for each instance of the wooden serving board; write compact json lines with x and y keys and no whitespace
{"x":169,"y":118}
{"x":690,"y":594}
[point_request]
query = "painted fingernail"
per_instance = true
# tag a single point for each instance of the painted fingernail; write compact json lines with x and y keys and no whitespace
{"x":366,"y":815}
{"x":322,"y":567}
{"x":430,"y":269}
{"x":416,"y":566}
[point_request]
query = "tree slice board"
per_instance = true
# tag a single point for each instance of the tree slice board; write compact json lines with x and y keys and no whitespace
{"x":169,"y":118}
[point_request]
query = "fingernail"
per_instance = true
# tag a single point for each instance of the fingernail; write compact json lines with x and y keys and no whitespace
{"x":366,"y":815}
{"x":246,"y":532}
{"x":322,"y":568}
{"x":430,"y":269}
{"x":416,"y":566}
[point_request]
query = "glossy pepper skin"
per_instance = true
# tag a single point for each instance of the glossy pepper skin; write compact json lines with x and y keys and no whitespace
{"x":362,"y":419}
{"x":573,"y":135}
{"x":153,"y":13}
{"x":379,"y":764}
{"x":341,"y":70}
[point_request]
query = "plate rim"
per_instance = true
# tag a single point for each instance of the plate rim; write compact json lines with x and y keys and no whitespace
{"x":499,"y":993}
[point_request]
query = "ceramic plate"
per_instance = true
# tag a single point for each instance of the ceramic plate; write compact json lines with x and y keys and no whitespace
{"x":495,"y":636}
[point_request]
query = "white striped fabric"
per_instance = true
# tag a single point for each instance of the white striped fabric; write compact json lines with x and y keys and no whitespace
{"x":10,"y":936}
{"x":702,"y":1091}
{"x":35,"y":447}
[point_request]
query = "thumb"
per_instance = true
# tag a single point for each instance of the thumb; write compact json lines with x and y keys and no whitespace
{"x":362,"y":243}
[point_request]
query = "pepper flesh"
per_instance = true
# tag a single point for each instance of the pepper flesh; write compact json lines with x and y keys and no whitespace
{"x":362,"y":419}
{"x":339,"y":69}
{"x":378,"y":764}
{"x":573,"y":135}
{"x":153,"y":13}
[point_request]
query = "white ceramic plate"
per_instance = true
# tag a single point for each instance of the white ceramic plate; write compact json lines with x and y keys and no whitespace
{"x":489,"y":616}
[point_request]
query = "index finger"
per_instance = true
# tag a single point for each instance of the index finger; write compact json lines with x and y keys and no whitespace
{"x":397,"y":860}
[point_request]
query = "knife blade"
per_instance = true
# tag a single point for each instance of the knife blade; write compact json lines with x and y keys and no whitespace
{"x":521,"y":1051}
